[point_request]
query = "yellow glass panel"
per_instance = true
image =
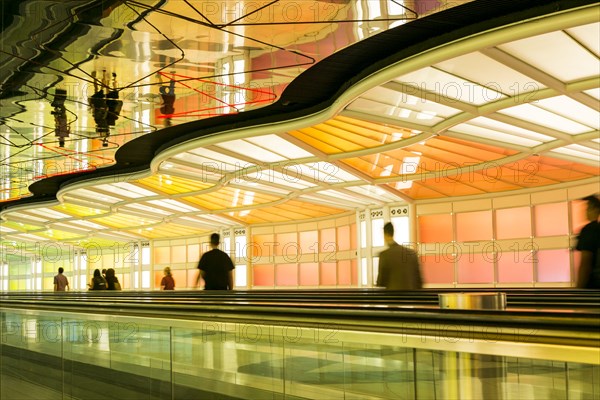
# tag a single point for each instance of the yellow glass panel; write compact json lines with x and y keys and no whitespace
{"x":162,"y":255}
{"x":172,"y":184}
{"x":230,"y":198}
{"x":122,"y":221}
{"x":77,"y":210}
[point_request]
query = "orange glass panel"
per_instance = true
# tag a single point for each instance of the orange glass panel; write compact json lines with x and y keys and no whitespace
{"x":474,"y":268}
{"x":474,"y":226}
{"x":515,"y":267}
{"x":354,"y":271}
{"x":553,"y":266}
{"x":309,"y":242}
{"x":437,"y":269}
{"x":327,"y":242}
{"x":157,"y":278}
{"x":193,"y":252}
{"x":264,"y":275}
{"x":178,"y":254}
{"x":343,"y":238}
{"x":180,"y":276}
{"x":344,"y":272}
{"x":162,"y":255}
{"x":287,"y":274}
{"x":435,"y":228}
{"x":353,"y":237}
{"x":513,"y":223}
{"x":192,"y":276}
{"x":286,"y":244}
{"x":262,"y":245}
{"x":309,"y":274}
{"x":551,"y":219}
{"x":576,"y":263}
{"x":328,"y":273}
{"x":578,"y":215}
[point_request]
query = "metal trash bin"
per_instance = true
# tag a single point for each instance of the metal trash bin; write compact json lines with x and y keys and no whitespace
{"x":473,"y":301}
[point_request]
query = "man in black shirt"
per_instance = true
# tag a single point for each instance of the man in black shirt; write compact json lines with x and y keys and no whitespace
{"x":216,"y":268}
{"x":588,"y":243}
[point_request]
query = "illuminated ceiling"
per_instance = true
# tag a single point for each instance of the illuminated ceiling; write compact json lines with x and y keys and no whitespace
{"x":447,"y":113}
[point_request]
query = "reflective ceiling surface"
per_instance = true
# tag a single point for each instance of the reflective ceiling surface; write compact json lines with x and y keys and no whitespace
{"x":510,"y":109}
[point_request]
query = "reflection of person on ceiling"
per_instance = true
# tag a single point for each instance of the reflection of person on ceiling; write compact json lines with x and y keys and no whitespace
{"x":167,"y":93}
{"x":105,"y":108}
{"x":61,"y":127}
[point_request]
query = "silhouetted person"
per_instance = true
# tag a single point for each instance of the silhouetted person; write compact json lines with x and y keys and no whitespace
{"x":98,"y":282}
{"x":61,"y":283}
{"x":398,"y":265}
{"x":216,"y":267}
{"x":167,"y":282}
{"x":167,"y":93}
{"x":588,"y":243}
{"x":112,"y":282}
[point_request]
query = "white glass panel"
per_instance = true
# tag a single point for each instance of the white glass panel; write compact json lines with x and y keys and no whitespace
{"x":82,"y":282}
{"x":88,"y":224}
{"x":451,"y":86}
{"x":406,"y":100}
{"x":173,"y":205}
{"x":542,"y":117}
{"x":363,"y":234}
{"x":212,"y":159}
{"x":145,"y":279}
{"x":5,"y":229}
{"x":556,"y":54}
{"x":28,"y":217}
{"x":129,"y":188}
{"x":95,"y":196}
{"x":375,"y":192}
{"x":250,"y":150}
{"x":401,"y":230}
{"x":240,"y":247}
{"x":145,"y":255}
{"x":595,"y":93}
{"x":377,"y":232}
{"x":142,"y":207}
{"x":288,"y":179}
{"x":510,"y":129}
{"x":371,"y":107}
{"x":363,"y":270}
{"x":477,"y":131}
{"x":240,"y":276}
{"x":577,"y":153}
{"x":571,"y":109}
{"x":343,"y":196}
{"x":588,"y":35}
{"x":48,"y":213}
{"x":489,"y":73}
{"x":280,"y":146}
{"x":136,"y":280}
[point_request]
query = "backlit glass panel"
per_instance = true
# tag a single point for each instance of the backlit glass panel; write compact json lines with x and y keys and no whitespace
{"x":475,"y":225}
{"x":436,"y":269}
{"x":515,"y":267}
{"x":328,"y":273}
{"x":475,"y":268}
{"x":551,"y":219}
{"x":287,"y":274}
{"x":264,"y":275}
{"x":435,"y":228}
{"x":553,"y":265}
{"x":513,"y":223}
{"x":309,"y":274}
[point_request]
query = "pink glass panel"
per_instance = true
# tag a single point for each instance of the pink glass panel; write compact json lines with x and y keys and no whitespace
{"x":264,"y":275}
{"x":309,"y":242}
{"x":287,"y":274}
{"x":178,"y":254}
{"x":353,"y":244}
{"x":328,"y":273}
{"x":328,"y":242}
{"x":162,"y":255}
{"x":343,"y":238}
{"x":551,"y":219}
{"x":193,"y":253}
{"x":578,"y":215}
{"x":472,"y":226}
{"x":344,"y":272}
{"x":576,"y":261}
{"x":262,"y":245}
{"x":513,"y":223}
{"x":515,"y":267}
{"x":309,"y":274}
{"x":553,"y":266}
{"x":435,"y":228}
{"x":286,"y":244}
{"x":474,"y":268}
{"x":437,"y":269}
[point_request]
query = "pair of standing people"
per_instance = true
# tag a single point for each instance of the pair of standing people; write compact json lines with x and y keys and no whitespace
{"x":107,"y":282}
